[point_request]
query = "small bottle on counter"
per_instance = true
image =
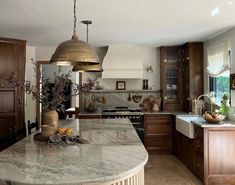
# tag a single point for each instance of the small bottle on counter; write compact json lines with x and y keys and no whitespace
{"x":146,"y":85}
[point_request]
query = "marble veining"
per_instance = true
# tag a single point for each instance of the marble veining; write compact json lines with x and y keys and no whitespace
{"x":114,"y":150}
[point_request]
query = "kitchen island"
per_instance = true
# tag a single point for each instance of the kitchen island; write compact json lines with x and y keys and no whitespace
{"x":113,"y":154}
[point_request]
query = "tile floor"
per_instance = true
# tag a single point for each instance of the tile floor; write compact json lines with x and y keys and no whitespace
{"x":168,"y":170}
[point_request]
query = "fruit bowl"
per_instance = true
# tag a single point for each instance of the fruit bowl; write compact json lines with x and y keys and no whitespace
{"x":214,"y":118}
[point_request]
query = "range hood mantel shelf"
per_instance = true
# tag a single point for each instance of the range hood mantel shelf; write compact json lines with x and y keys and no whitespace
{"x":125,"y":91}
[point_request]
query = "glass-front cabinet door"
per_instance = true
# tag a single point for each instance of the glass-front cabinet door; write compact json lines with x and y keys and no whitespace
{"x":172,"y":83}
{"x":170,"y":77}
{"x":171,"y":55}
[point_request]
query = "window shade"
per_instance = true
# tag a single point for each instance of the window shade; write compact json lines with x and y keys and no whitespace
{"x":217,"y":59}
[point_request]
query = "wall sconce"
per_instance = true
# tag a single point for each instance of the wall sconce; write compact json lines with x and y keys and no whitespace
{"x":149,"y":68}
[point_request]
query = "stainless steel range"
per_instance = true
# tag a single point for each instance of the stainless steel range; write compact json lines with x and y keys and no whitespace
{"x":135,"y":115}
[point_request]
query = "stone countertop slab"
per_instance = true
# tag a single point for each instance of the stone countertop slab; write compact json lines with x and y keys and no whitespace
{"x":175,"y":113}
{"x":202,"y":123}
{"x":97,"y":112}
{"x":114,"y":150}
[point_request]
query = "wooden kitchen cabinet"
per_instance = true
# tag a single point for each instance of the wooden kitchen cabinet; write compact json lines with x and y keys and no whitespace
{"x":184,"y":149}
{"x":181,"y":75}
{"x":191,"y":151}
{"x":12,"y":60}
{"x":219,"y":152}
{"x":192,"y":75}
{"x":158,"y":132}
{"x":198,"y":158}
{"x":170,"y":62}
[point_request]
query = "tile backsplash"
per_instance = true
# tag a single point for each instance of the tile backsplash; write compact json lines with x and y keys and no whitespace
{"x":102,"y":100}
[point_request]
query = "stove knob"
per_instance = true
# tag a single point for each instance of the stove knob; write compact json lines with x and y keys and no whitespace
{"x":134,"y":117}
{"x":130,"y":117}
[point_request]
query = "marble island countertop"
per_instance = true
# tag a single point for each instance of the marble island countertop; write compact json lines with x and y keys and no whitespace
{"x":114,"y":150}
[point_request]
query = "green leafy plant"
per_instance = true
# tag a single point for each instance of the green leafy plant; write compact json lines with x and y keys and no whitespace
{"x":224,"y":107}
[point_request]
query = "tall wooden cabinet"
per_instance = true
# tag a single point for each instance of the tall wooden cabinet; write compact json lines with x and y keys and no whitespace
{"x":181,"y":75}
{"x":192,"y":73}
{"x":12,"y":59}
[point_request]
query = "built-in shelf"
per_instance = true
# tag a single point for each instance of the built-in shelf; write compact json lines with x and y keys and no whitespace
{"x":125,"y":91}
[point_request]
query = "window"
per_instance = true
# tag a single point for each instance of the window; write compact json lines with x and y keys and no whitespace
{"x":220,"y":85}
{"x":217,"y":59}
{"x":218,"y":69}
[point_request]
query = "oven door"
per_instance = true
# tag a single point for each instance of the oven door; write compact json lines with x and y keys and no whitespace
{"x":139,"y":127}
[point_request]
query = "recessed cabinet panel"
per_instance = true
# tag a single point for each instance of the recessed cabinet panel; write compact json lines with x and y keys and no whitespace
{"x":6,"y":123}
{"x":8,"y":60}
{"x":7,"y":101}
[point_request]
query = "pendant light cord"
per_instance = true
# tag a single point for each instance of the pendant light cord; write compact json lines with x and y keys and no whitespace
{"x":74,"y":18}
{"x":87,"y":23}
{"x":87,"y":32}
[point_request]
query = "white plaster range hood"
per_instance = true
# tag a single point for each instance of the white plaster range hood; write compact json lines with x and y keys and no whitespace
{"x":122,"y":61}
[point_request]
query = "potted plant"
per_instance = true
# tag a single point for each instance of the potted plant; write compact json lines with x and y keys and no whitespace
{"x":51,"y":94}
{"x":224,"y":107}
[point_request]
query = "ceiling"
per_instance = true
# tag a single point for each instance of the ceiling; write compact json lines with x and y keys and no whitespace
{"x":140,"y":22}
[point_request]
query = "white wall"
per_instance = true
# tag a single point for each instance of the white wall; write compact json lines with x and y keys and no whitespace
{"x":44,"y":53}
{"x":230,"y":36}
{"x":30,"y":105}
{"x":149,"y":56}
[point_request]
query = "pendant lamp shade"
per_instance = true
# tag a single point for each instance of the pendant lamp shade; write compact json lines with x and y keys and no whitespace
{"x":88,"y":68}
{"x":74,"y":52}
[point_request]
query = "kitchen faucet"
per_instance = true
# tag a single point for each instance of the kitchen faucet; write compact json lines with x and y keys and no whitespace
{"x":205,"y":95}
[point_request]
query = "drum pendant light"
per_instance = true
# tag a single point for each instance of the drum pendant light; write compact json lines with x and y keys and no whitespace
{"x":74,"y":51}
{"x":87,"y":68}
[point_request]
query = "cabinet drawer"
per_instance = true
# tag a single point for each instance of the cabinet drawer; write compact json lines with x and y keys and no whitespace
{"x":158,"y":129}
{"x":7,"y":103}
{"x":156,"y":117}
{"x":172,"y":106}
{"x":158,"y":141}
